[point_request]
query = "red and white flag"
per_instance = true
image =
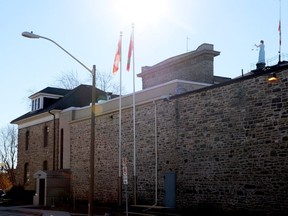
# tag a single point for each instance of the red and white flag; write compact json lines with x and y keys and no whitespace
{"x":130,"y":51}
{"x":117,"y":57}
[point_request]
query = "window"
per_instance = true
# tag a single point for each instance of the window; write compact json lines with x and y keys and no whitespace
{"x":45,"y":136}
{"x":26,"y":173}
{"x":37,"y":104}
{"x":27,"y":140}
{"x":32,"y":105}
{"x":45,"y":165}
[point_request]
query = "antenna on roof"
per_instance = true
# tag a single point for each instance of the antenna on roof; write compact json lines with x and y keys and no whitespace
{"x":279,"y":30}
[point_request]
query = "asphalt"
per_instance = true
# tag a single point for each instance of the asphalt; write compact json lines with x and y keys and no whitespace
{"x":32,"y":211}
{"x":26,"y":211}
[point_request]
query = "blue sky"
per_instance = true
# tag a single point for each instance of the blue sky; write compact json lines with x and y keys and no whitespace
{"x":90,"y":29}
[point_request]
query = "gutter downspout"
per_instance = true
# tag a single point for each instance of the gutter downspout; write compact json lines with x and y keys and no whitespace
{"x":54,"y":138}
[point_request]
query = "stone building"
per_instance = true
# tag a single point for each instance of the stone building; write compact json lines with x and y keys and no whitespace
{"x":41,"y":133}
{"x":199,"y":139}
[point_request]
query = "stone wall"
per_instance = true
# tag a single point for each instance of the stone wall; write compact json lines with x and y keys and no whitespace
{"x":227,"y":145}
{"x":36,"y":153}
{"x":232,"y":145}
{"x":106,"y":159}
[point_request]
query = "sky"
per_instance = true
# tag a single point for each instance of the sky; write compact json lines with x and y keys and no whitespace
{"x":90,"y":30}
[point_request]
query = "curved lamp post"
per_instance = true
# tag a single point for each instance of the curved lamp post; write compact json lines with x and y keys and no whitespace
{"x":92,"y":149}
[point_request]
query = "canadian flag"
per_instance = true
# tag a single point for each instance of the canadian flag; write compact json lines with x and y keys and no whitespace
{"x":117,"y":57}
{"x":131,"y":47}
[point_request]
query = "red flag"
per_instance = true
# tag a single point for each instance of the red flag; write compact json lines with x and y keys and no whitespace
{"x":279,"y":29}
{"x":131,"y":47}
{"x":117,"y":57}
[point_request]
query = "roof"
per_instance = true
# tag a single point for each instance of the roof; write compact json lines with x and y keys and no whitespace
{"x":52,"y":90}
{"x":268,"y":70}
{"x":77,"y":97}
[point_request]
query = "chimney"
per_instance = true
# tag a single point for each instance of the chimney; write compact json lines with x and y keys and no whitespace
{"x":197,"y":66}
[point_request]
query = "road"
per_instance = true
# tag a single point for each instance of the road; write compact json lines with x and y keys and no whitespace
{"x":22,"y":211}
{"x":11,"y":211}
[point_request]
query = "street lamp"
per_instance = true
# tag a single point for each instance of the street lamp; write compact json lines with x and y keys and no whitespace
{"x":92,"y":149}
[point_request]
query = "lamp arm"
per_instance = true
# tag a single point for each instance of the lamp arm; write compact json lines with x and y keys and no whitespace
{"x":67,"y":53}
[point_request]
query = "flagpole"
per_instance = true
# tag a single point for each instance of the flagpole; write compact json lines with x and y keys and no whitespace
{"x":120,"y":124}
{"x":134,"y":123}
{"x":279,"y":29}
{"x":120,"y":127}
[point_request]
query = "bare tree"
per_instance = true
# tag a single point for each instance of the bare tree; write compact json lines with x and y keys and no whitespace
{"x":68,"y":80}
{"x":8,"y":151}
{"x":104,"y":81}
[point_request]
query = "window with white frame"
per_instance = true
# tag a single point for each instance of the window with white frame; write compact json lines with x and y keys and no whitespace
{"x":37,"y":104}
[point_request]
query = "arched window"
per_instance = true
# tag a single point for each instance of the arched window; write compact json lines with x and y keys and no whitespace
{"x":45,"y":136}
{"x":26,"y":173}
{"x":45,"y":165}
{"x":27,"y":140}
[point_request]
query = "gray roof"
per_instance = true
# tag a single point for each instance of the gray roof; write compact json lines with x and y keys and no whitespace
{"x":77,"y":97}
{"x":53,"y":90}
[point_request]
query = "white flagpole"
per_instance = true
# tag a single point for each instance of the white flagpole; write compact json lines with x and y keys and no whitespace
{"x":120,"y":127}
{"x":134,"y":122}
{"x":280,"y":31}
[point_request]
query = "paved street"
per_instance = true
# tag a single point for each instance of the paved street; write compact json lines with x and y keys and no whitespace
{"x":10,"y":211}
{"x":13,"y":213}
{"x":18,"y":211}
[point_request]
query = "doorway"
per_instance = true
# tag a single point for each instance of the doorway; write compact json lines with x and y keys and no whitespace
{"x":41,"y":191}
{"x":170,"y":189}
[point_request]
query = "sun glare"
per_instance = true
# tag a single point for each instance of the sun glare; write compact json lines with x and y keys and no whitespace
{"x":141,"y":12}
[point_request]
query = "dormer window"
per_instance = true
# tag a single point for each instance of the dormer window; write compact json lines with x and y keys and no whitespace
{"x":46,"y":97}
{"x":37,"y":103}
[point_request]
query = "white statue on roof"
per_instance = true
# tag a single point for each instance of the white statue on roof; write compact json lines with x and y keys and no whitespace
{"x":261,"y":57}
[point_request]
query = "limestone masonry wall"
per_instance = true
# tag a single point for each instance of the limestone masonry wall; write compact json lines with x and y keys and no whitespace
{"x":36,"y":153}
{"x":227,"y":144}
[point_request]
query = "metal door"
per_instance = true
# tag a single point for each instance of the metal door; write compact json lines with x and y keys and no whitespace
{"x":170,"y":189}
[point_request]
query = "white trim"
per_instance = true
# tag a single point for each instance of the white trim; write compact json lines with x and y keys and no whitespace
{"x":71,"y":108}
{"x":38,"y":119}
{"x":53,"y":96}
{"x":171,"y":82}
{"x":159,"y":92}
